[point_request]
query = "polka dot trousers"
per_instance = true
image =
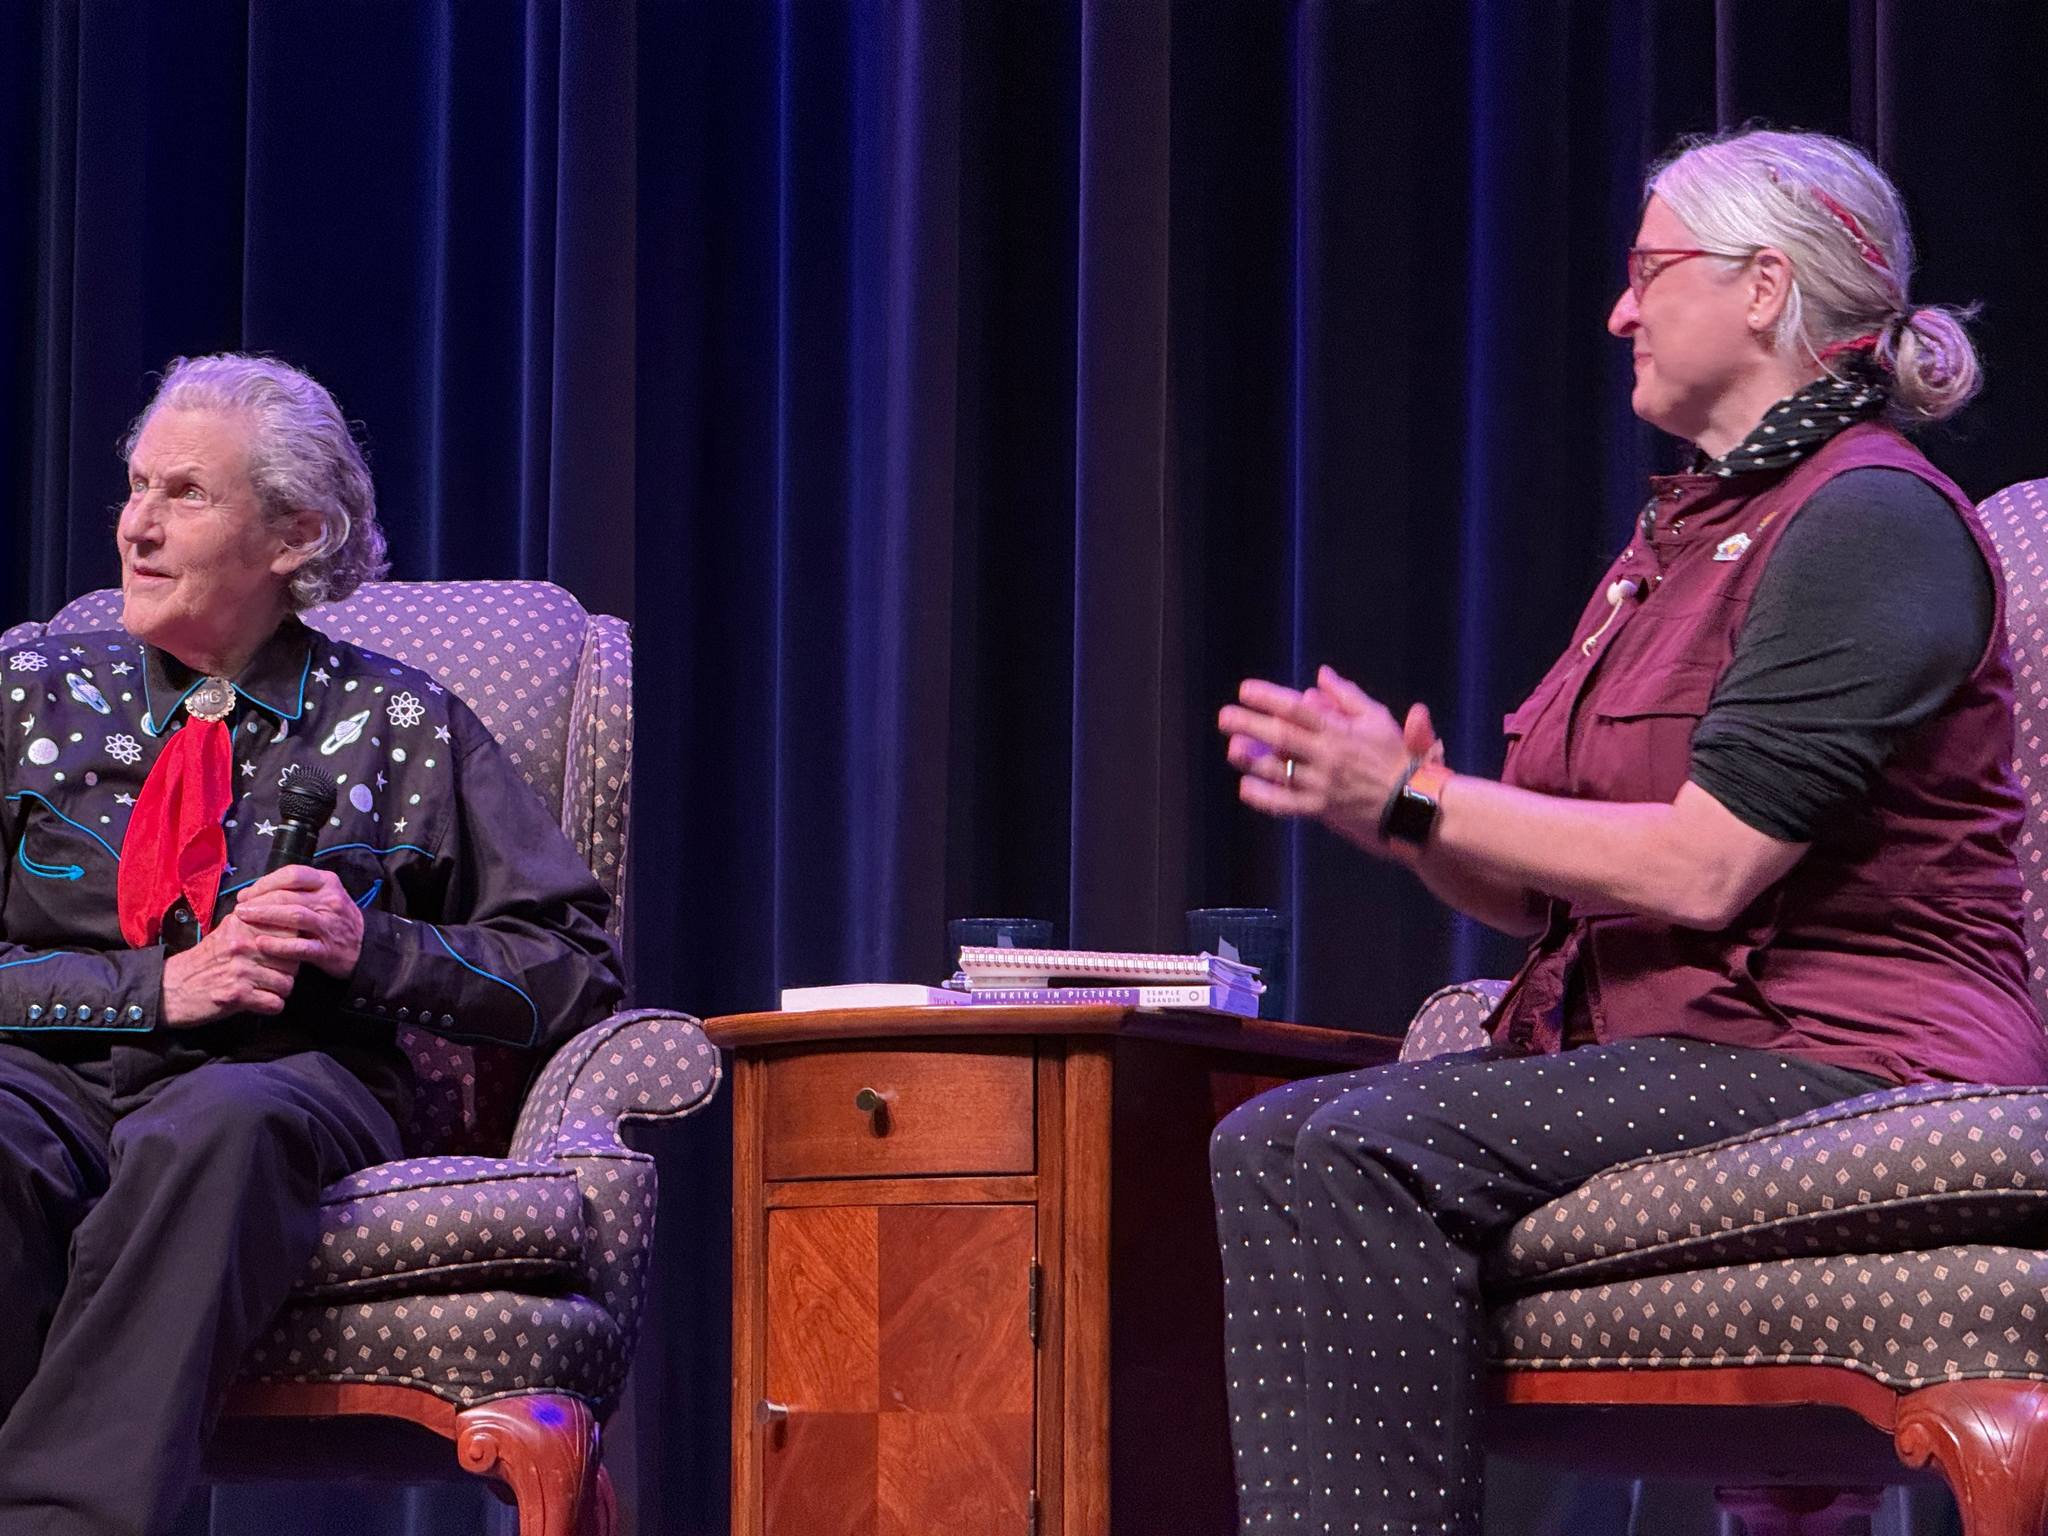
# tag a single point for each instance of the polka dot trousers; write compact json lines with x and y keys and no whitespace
{"x":1354,"y":1212}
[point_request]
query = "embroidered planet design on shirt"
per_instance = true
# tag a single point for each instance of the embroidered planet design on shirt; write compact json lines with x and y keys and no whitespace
{"x":360,"y":797}
{"x":86,"y":694}
{"x":345,"y":734}
{"x":42,"y":751}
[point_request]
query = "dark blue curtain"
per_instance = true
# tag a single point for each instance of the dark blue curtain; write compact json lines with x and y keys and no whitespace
{"x":960,"y":396}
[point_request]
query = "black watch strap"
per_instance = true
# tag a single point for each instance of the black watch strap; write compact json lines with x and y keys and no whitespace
{"x":1411,"y":811}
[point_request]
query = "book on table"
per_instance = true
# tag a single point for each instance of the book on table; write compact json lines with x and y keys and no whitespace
{"x":870,"y":994}
{"x":1011,"y":978}
{"x":1238,"y":1001}
{"x":991,"y":967}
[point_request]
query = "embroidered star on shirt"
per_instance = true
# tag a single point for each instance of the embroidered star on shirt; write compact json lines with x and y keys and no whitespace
{"x":266,"y":829}
{"x":122,"y":669}
{"x":124,"y":799}
{"x":248,"y":770}
{"x":320,"y":676}
{"x":441,"y":733}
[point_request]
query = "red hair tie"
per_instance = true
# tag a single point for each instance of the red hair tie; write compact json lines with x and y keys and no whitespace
{"x":1864,"y":245}
{"x":1836,"y":349}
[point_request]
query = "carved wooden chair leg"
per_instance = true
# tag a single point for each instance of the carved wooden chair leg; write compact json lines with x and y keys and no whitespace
{"x":544,"y":1447}
{"x":1801,"y":1511}
{"x":601,"y":1509}
{"x":1990,"y":1439}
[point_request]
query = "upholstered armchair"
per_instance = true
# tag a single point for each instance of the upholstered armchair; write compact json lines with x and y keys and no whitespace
{"x":1855,"y":1297}
{"x":488,"y":1289}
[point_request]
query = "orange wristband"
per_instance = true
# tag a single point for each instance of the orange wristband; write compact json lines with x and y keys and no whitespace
{"x":1430,"y":780}
{"x":1411,"y":810}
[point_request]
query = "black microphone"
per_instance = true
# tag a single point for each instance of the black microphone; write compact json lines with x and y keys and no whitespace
{"x":303,"y":806}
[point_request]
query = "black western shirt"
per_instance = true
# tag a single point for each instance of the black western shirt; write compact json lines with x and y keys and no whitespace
{"x":480,"y":922}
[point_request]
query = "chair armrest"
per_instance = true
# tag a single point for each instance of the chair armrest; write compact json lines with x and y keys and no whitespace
{"x":642,"y":1064}
{"x":1452,"y":1019}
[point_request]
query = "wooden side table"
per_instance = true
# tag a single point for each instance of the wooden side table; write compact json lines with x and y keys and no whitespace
{"x":975,"y":1276}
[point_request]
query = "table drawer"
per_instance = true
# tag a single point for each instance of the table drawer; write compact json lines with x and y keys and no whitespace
{"x":865,"y":1112}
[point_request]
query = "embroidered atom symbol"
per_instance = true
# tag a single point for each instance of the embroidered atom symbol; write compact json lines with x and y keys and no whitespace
{"x":405,"y":710}
{"x":28,"y":661}
{"x":124,"y":748}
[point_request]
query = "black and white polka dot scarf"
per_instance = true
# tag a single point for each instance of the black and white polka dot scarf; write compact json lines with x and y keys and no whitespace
{"x":1798,"y":424}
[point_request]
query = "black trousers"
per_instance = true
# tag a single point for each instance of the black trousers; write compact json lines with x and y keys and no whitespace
{"x":147,"y":1233}
{"x":1355,"y":1212}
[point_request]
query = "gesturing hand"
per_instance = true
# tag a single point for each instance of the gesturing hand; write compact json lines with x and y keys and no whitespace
{"x":234,"y":969}
{"x":306,"y":910}
{"x":1418,"y":734}
{"x":1418,"y":731}
{"x":1331,"y":752}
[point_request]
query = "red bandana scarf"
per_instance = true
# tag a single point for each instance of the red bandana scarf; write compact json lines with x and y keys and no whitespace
{"x":175,"y":846}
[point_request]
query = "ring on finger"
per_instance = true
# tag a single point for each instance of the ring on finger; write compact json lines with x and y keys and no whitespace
{"x":1289,"y":779}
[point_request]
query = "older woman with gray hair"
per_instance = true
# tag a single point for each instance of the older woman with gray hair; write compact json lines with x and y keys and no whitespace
{"x":198,"y":1006}
{"x":1757,"y":824}
{"x":303,"y":462}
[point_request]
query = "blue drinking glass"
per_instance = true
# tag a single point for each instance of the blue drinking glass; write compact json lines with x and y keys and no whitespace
{"x":1257,"y":936}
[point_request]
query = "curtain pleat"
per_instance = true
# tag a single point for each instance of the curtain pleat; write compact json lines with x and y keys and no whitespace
{"x":1126,"y":794}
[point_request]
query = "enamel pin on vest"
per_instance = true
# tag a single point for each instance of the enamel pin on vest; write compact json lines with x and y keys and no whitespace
{"x":1732,"y":547}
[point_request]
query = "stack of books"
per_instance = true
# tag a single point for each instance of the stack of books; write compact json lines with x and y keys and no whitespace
{"x":1010,"y":978}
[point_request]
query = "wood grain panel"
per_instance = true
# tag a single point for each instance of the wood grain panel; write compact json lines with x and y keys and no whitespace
{"x":1706,"y":1385}
{"x":1052,"y":1206}
{"x":964,"y":1475}
{"x":955,"y":1289}
{"x":1203,"y":1031}
{"x":824,"y":1351}
{"x":965,"y":1108}
{"x":1085,"y":1290}
{"x":927,"y":1189}
{"x":820,"y":1476}
{"x":749,"y":1298}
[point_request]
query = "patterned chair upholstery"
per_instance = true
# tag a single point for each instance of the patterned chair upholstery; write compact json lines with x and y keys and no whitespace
{"x":1857,"y":1295}
{"x":489,"y":1288}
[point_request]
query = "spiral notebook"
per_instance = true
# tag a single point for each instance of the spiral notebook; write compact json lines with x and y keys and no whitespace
{"x":985,"y":967}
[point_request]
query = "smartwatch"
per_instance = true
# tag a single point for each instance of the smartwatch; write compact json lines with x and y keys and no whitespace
{"x":1411,"y":811}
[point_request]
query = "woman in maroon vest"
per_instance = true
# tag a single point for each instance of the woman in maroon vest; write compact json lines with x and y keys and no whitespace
{"x":1757,"y":823}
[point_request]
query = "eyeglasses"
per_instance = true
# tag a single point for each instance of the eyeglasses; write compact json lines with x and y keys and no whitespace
{"x":1642,"y":271}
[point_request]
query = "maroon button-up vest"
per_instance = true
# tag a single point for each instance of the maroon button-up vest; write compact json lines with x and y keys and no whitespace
{"x":1894,"y":948}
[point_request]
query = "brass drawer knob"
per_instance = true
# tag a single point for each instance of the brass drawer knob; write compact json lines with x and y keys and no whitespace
{"x":874,"y":1103}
